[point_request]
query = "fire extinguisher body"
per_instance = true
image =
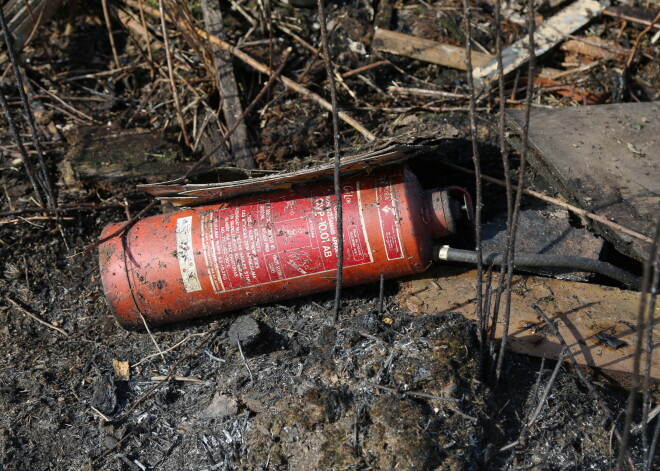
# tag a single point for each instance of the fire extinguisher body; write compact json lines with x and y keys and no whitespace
{"x":268,"y":247}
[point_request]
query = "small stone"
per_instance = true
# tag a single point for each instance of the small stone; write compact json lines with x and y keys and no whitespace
{"x":109,"y":441}
{"x":104,"y":397}
{"x":221,"y":406}
{"x":245,"y":329}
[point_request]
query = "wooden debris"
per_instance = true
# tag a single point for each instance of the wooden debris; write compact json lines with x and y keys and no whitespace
{"x":99,"y":152}
{"x":434,"y":52}
{"x":224,"y":75}
{"x":604,"y":159}
{"x":580,"y":311}
{"x":547,"y":36}
{"x":425,"y":50}
{"x":394,"y":150}
{"x":594,"y":47}
{"x":264,"y":69}
{"x":569,"y":91}
{"x":636,"y":15}
{"x":191,"y":194}
{"x":24,"y":17}
{"x":547,"y":231}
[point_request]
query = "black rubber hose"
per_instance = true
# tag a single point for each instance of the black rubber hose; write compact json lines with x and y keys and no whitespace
{"x":445,"y":253}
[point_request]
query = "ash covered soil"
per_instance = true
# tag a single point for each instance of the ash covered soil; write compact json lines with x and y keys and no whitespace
{"x":377,"y":390}
{"x":305,"y":394}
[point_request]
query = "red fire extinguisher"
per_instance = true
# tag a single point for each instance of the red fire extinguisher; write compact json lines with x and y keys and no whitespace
{"x":273,"y":246}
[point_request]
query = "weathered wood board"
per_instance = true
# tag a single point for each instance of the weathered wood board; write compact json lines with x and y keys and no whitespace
{"x":24,"y":17}
{"x":226,"y":80}
{"x":580,"y":311}
{"x":104,"y":153}
{"x":397,"y":149}
{"x":604,"y":159}
{"x":550,"y":33}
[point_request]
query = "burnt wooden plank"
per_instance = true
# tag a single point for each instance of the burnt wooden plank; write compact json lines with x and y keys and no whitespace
{"x":103,"y":153}
{"x":604,"y":159}
{"x":24,"y":17}
{"x":580,"y":311}
{"x":231,"y":100}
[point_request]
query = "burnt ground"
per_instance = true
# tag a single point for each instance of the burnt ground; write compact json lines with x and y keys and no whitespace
{"x":301,"y":393}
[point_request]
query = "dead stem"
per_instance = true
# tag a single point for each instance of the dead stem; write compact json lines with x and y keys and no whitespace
{"x":241,"y":118}
{"x":504,"y":152}
{"x":264,"y":69}
{"x":578,"y":370}
{"x":111,"y":36}
{"x":336,"y":177}
{"x":170,"y":70}
{"x":646,"y":308}
{"x":558,"y":202}
{"x":24,"y":311}
{"x":27,"y":162}
{"x":477,"y":173}
{"x":650,"y":347}
{"x":44,"y":178}
{"x":148,"y":41}
{"x":512,"y":228}
{"x":245,"y":362}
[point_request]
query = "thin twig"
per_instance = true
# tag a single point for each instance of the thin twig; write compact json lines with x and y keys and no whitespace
{"x":365,"y":68}
{"x":578,"y":370}
{"x":412,"y":393}
{"x":512,"y":228}
{"x":381,"y":295}
{"x":44,"y":178}
{"x":476,"y":160}
{"x":169,"y":375}
{"x":63,"y":209}
{"x":633,"y":52}
{"x":264,"y":69}
{"x":22,"y":310}
{"x":35,"y":218}
{"x":111,"y":36}
{"x":245,"y":362}
{"x":504,"y":152}
{"x":170,"y":70}
{"x":27,"y":162}
{"x":335,"y":131}
{"x":127,"y":225}
{"x":144,"y":25}
{"x":176,"y":345}
{"x":425,"y":92}
{"x":153,"y":339}
{"x":650,"y":347}
{"x":544,"y":397}
{"x":647,"y":299}
{"x":560,"y":203}
{"x":654,"y":444}
{"x":532,"y":419}
{"x":242,"y":117}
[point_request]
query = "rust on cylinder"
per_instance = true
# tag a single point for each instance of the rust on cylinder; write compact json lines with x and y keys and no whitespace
{"x":271,"y":246}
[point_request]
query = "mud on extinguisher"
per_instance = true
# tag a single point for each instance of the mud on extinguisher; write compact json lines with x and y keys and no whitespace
{"x":274,"y":246}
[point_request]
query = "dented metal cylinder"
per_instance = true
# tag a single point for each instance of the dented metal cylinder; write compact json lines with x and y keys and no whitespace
{"x":272,"y":246}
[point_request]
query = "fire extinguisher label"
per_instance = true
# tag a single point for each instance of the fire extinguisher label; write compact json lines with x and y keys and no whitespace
{"x":185,"y":254}
{"x":388,"y":213}
{"x":280,"y":239}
